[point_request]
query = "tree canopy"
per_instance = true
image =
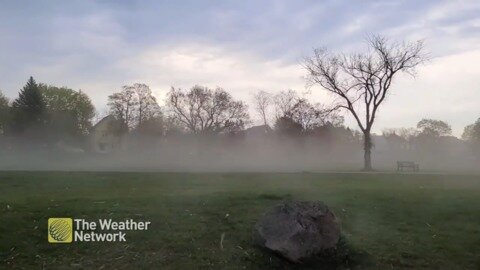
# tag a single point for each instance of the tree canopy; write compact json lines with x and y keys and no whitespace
{"x":311,"y":116}
{"x":434,"y":127}
{"x":134,"y":105}
{"x":69,"y":112}
{"x":472,"y":132}
{"x":203,"y":110}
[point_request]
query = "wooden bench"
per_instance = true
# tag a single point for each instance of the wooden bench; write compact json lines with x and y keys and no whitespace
{"x":407,"y":164}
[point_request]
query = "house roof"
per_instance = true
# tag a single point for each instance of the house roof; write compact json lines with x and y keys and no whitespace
{"x":258,"y":130}
{"x":107,"y":118}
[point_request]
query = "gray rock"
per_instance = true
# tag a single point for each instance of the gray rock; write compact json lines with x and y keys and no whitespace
{"x":297,"y":230}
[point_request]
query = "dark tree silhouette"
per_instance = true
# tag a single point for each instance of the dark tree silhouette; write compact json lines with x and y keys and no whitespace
{"x":360,"y":82}
{"x":148,"y":107}
{"x":28,"y":108}
{"x":123,"y":105}
{"x":471,"y":134}
{"x":434,"y":127}
{"x":134,"y":105}
{"x":286,"y":126}
{"x":311,"y":116}
{"x":4,"y":112}
{"x":202,"y":110}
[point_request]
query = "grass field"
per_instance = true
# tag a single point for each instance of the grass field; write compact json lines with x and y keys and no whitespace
{"x":389,"y":221}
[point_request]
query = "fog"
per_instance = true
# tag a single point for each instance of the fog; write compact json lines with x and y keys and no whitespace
{"x":247,"y":151}
{"x":207,"y":130}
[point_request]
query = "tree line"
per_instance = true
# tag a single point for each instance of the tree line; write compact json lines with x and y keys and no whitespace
{"x":62,"y":112}
{"x":360,"y":83}
{"x":45,"y":113}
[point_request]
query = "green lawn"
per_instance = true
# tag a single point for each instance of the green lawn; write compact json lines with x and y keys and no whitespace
{"x":389,"y":221}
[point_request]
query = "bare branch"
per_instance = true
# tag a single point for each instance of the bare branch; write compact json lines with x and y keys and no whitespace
{"x":365,"y":76}
{"x":203,"y":110}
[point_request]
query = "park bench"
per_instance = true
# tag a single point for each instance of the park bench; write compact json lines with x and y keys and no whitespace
{"x":407,"y":164}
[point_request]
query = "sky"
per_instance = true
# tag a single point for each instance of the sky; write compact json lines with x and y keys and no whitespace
{"x":241,"y":46}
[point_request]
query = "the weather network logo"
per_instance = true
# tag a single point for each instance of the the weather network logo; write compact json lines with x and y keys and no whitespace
{"x":60,"y":230}
{"x":68,"y":230}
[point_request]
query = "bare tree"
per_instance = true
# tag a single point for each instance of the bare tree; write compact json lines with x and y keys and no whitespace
{"x":311,"y":116}
{"x":261,"y":102}
{"x":134,"y":105}
{"x":284,"y":102}
{"x":202,"y":110}
{"x":123,"y":105}
{"x":148,"y":107}
{"x":361,"y":81}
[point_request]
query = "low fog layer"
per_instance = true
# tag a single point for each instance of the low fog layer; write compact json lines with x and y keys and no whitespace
{"x":202,"y":129}
{"x":259,"y":151}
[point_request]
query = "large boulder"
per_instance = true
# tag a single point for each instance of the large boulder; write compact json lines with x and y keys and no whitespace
{"x":297,"y":230}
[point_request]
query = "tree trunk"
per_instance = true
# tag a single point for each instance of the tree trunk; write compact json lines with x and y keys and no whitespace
{"x":367,"y":148}
{"x":264,"y":118}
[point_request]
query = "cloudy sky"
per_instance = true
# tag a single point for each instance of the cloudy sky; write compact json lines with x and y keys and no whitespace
{"x":242,"y":46}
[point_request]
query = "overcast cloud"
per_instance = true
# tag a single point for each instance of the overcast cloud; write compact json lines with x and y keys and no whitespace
{"x":242,"y":46}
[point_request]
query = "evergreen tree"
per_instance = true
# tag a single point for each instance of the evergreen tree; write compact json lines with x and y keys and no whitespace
{"x":4,"y":112}
{"x":28,"y":109}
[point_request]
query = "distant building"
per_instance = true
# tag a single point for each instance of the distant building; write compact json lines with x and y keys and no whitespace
{"x":258,"y":131}
{"x":106,"y":136}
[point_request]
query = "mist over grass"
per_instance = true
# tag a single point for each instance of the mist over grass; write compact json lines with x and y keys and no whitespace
{"x":233,"y":154}
{"x":203,"y":129}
